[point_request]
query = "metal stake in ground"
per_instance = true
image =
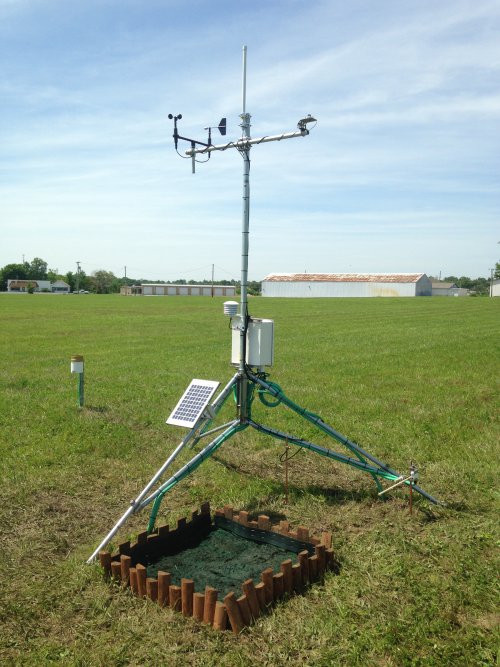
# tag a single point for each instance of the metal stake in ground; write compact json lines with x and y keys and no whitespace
{"x":287,"y":449}
{"x":284,"y":458}
{"x":413,"y":478}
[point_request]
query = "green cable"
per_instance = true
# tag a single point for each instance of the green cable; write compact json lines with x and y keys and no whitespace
{"x":266,"y":401}
{"x":279,"y":399}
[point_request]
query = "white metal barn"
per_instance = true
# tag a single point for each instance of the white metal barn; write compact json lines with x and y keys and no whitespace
{"x":346,"y":284}
{"x":170,"y":289}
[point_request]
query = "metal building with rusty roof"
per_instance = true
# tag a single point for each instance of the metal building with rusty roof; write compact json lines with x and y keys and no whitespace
{"x":346,"y":284}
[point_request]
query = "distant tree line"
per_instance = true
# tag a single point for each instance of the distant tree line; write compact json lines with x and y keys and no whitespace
{"x":100,"y":282}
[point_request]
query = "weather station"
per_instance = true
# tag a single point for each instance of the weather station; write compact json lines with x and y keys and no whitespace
{"x":252,"y":353}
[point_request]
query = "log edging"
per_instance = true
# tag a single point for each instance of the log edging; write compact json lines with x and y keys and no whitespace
{"x":235,"y":613}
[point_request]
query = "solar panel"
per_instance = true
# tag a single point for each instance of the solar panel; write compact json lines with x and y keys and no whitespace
{"x":192,"y":403}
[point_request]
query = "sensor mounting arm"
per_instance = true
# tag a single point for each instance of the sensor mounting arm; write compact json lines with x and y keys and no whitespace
{"x":244,"y":143}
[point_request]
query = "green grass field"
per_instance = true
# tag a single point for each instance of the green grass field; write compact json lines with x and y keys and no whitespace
{"x":406,"y":378}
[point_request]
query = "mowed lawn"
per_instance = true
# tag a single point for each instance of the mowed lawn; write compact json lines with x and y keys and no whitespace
{"x":411,"y":379}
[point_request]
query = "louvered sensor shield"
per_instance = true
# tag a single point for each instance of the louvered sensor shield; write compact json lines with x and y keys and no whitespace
{"x":192,"y":403}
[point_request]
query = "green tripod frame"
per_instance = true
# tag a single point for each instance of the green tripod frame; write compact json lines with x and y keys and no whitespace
{"x":272,"y":395}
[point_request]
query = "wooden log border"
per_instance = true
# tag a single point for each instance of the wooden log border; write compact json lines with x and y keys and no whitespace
{"x":128,"y":568}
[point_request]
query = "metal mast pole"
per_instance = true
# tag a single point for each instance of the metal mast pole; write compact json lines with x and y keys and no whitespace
{"x":243,"y":146}
{"x":245,"y":154}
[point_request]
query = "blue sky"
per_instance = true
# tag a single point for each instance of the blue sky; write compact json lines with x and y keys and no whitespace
{"x":401,"y":173}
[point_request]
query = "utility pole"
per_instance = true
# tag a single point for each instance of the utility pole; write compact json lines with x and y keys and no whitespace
{"x":78,"y":277}
{"x":212,"y":280}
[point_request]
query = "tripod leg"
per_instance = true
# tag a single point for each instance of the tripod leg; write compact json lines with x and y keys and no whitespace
{"x":216,"y":406}
{"x":136,"y":504}
{"x":319,"y":423}
{"x":324,"y":451}
{"x":384,"y":473}
{"x":187,"y":469}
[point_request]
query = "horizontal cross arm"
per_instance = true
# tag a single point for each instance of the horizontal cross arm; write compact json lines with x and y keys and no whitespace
{"x":245,"y":143}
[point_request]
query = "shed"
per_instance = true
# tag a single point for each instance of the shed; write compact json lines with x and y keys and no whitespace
{"x":346,"y":284}
{"x":442,"y":288}
{"x":61,"y":287}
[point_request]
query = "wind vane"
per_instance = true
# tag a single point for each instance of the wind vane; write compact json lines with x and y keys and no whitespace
{"x":194,"y":142}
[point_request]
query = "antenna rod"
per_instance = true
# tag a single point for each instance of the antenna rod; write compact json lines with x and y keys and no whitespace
{"x":244,"y":79}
